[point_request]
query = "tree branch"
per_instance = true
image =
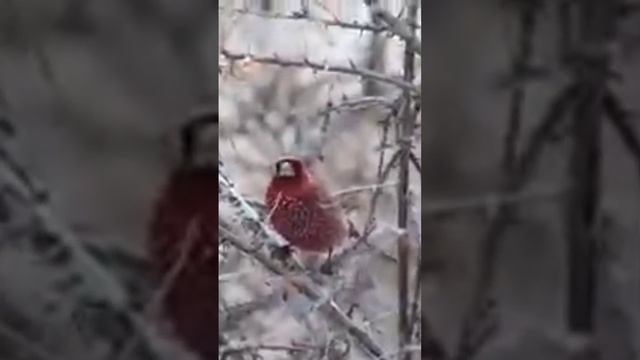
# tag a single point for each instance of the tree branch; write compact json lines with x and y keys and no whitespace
{"x":619,"y":118}
{"x":243,"y":214}
{"x":89,"y":279}
{"x":306,"y":63}
{"x":405,"y":30}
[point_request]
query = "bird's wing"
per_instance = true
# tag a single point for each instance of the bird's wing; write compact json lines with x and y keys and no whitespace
{"x":321,"y":196}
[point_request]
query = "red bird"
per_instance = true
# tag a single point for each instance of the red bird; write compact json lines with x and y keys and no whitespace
{"x":301,"y":209}
{"x":183,"y":242}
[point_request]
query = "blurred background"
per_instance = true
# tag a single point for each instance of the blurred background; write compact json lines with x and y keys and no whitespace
{"x":95,"y":91}
{"x":495,"y":69}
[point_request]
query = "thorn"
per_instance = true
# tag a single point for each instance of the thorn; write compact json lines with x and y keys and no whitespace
{"x":299,"y":14}
{"x":326,"y":268}
{"x":351,"y":309}
{"x":282,"y":252}
{"x":353,"y":231}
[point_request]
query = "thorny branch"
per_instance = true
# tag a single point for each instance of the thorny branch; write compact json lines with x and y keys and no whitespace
{"x":521,"y":62}
{"x":403,"y":29}
{"x":352,"y":69}
{"x":369,"y":226}
{"x":383,"y":172}
{"x":404,"y":136}
{"x":228,"y":350}
{"x":305,"y":16}
{"x":395,"y":25}
{"x":357,"y":104}
{"x":243,"y":214}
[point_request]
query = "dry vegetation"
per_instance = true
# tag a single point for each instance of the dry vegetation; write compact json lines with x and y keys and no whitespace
{"x":323,"y":79}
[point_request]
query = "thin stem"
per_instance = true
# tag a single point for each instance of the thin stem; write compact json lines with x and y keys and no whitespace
{"x":352,"y":69}
{"x":521,"y":62}
{"x":406,"y":128}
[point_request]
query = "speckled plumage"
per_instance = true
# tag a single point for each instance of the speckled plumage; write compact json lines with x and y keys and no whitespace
{"x":302,"y":211}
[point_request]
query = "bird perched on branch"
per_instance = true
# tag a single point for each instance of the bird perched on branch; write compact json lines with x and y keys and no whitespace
{"x":183,"y":238}
{"x":301,"y":208}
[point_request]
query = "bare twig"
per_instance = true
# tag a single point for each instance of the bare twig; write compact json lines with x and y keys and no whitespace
{"x":415,"y":314}
{"x":619,"y":118}
{"x":324,"y":130}
{"x":305,"y":287}
{"x":521,"y":61}
{"x":527,"y":163}
{"x":491,"y":203}
{"x":383,"y":173}
{"x":244,"y":215}
{"x":405,"y":133}
{"x":403,"y":29}
{"x":358,"y":104}
{"x":228,"y":350}
{"x":408,"y":350}
{"x":591,"y":73}
{"x":382,"y":170}
{"x":416,"y":162}
{"x":306,"y":63}
{"x":234,"y":313}
{"x":338,"y":260}
{"x":357,"y":189}
{"x":302,"y":16}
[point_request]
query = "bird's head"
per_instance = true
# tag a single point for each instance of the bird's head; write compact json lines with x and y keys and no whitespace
{"x":291,"y":170}
{"x":199,"y":139}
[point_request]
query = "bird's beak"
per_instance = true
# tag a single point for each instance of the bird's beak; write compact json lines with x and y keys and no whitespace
{"x":285,"y":169}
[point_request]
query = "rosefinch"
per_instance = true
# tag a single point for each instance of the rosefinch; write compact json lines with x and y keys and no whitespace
{"x":301,"y":209}
{"x":184,"y":238}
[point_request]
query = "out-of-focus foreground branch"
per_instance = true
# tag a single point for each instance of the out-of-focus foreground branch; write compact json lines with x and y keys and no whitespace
{"x":83,"y":282}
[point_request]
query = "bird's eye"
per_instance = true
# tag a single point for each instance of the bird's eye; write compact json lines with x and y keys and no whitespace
{"x":285,"y":169}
